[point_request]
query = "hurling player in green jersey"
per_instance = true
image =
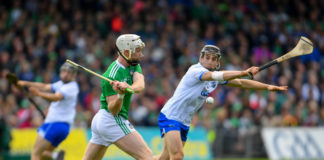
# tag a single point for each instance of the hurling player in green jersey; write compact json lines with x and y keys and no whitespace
{"x":110,"y":125}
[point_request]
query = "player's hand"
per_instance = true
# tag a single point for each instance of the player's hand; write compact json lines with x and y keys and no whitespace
{"x":115,"y":85}
{"x":21,"y":83}
{"x":277,"y":88}
{"x":33,"y":91}
{"x":251,"y":72}
{"x":254,"y":70}
{"x":123,"y":85}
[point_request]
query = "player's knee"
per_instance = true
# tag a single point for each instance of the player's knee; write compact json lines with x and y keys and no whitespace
{"x":146,"y":155}
{"x":177,"y":155}
{"x":36,"y":152}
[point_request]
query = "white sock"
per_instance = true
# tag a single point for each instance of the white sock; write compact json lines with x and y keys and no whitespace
{"x":54,"y":155}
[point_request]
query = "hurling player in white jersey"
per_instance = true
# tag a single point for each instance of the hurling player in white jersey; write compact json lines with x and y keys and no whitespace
{"x":63,"y":96}
{"x":200,"y":79}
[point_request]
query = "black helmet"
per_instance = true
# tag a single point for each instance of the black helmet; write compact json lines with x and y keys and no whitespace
{"x":210,"y":49}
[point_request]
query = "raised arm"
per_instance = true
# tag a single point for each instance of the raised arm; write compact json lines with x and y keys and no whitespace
{"x":255,"y":85}
{"x":115,"y":102}
{"x":227,"y":75}
{"x":138,"y":82}
{"x":48,"y":96}
{"x":38,"y":85}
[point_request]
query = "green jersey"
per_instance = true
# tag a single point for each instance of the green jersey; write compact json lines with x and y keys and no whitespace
{"x":117,"y":71}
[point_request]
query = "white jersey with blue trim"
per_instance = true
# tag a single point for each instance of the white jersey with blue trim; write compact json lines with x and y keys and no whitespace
{"x":65,"y":109}
{"x":189,"y":95}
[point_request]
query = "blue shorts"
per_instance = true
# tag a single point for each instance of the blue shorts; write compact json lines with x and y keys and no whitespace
{"x":54,"y":132}
{"x":167,"y":125}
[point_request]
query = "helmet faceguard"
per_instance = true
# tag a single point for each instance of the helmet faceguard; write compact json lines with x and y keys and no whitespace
{"x":212,"y":49}
{"x":127,"y":43}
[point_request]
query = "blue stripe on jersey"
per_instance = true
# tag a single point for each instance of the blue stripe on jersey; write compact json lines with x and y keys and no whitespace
{"x":201,"y":75}
{"x":224,"y":82}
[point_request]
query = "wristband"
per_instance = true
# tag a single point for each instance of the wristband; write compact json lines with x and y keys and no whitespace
{"x":217,"y":76}
{"x":120,"y":96}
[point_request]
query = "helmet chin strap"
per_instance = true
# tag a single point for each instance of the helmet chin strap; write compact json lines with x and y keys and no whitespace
{"x":132,"y":63}
{"x":217,"y":68}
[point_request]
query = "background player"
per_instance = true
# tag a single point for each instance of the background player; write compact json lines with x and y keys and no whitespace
{"x":61,"y":112}
{"x":200,"y":80}
{"x":110,"y":125}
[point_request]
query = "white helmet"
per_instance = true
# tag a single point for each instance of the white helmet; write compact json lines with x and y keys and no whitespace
{"x":128,"y":43}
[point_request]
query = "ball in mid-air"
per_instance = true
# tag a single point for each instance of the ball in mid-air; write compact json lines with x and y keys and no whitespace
{"x":210,"y":100}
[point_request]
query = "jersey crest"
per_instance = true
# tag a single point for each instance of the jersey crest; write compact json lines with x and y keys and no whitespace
{"x":209,"y":87}
{"x":131,"y":72}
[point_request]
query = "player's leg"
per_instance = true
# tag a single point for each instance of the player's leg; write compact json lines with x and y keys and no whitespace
{"x":48,"y":152}
{"x":50,"y":135}
{"x":174,"y":145}
{"x":40,"y":146}
{"x":98,"y":144}
{"x":134,"y":145}
{"x":174,"y":136}
{"x":94,"y":151}
{"x":164,"y":154}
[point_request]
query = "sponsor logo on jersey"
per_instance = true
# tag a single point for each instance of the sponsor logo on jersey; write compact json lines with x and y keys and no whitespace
{"x":131,"y":126}
{"x":204,"y":93}
{"x":131,"y":71}
{"x":171,"y":125}
{"x":209,"y":87}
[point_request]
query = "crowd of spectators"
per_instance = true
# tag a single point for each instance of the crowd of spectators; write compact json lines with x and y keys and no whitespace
{"x":36,"y":37}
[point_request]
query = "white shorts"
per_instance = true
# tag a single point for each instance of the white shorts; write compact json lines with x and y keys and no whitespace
{"x":107,"y":129}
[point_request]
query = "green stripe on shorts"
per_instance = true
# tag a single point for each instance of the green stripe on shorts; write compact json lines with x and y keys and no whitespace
{"x":122,"y":125}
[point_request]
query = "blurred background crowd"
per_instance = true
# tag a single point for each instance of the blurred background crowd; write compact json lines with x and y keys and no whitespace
{"x":36,"y":37}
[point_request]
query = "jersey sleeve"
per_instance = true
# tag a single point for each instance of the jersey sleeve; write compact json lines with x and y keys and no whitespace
{"x":54,"y":86}
{"x":113,"y":74}
{"x":68,"y":90}
{"x":107,"y":89}
{"x":196,"y":73}
{"x":138,"y":69}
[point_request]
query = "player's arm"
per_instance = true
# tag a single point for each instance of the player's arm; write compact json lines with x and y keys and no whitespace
{"x":254,"y":85}
{"x":38,"y":85}
{"x":227,"y":75}
{"x":138,"y":83}
{"x":115,"y":102}
{"x":48,"y":96}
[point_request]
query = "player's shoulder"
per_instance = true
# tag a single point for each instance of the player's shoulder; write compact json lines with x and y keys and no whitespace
{"x":114,"y":70}
{"x":72,"y":83}
{"x":111,"y":66}
{"x":197,"y":67}
{"x":57,"y":83}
